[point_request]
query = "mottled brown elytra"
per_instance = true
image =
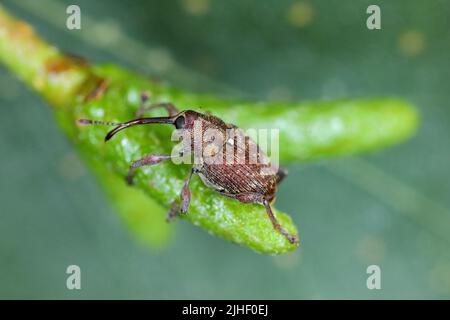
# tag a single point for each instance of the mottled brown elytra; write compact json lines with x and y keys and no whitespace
{"x":239,"y":179}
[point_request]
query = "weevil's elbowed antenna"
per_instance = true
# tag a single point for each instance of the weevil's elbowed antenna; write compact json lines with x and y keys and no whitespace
{"x":124,"y":125}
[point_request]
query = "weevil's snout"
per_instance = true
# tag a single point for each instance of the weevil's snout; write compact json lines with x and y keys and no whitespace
{"x":163,"y":120}
{"x":183,"y":120}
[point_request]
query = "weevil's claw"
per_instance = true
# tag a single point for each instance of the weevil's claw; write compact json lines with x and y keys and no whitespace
{"x":185,"y":196}
{"x":184,"y":206}
{"x":292,"y":239}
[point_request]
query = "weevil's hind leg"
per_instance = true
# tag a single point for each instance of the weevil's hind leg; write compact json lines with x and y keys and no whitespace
{"x":186,"y":193}
{"x":258,"y":198}
{"x":281,"y":174}
{"x":291,"y":238}
{"x":148,"y":160}
{"x":171,"y":109}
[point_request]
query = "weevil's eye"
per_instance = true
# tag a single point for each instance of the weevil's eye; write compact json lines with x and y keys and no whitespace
{"x":179,"y":122}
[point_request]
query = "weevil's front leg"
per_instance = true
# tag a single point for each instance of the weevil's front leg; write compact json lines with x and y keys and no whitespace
{"x":291,"y":238}
{"x":172,"y":214}
{"x":171,"y":109}
{"x":148,"y":160}
{"x":185,"y":199}
{"x":186,"y":193}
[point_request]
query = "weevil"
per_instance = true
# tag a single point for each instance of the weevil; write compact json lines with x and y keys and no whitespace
{"x":239,"y":179}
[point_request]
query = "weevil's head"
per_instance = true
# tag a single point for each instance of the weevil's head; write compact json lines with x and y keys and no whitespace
{"x":186,"y":119}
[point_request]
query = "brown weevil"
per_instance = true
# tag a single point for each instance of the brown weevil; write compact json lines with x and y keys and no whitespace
{"x":224,"y":159}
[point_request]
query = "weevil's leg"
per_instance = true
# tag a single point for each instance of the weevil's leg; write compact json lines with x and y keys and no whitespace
{"x":172,"y":214}
{"x":185,"y":199}
{"x":291,"y":238}
{"x":258,"y":198}
{"x":148,"y":160}
{"x":281,"y":174}
{"x":186,"y":193}
{"x":171,"y":109}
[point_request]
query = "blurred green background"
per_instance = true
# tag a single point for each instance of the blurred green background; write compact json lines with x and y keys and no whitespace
{"x":389,"y":208}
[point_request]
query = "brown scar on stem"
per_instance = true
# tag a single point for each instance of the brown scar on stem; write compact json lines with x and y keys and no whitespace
{"x":64,"y":63}
{"x":19,"y":29}
{"x":58,"y":65}
{"x":99,"y":89}
{"x":94,"y":86}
